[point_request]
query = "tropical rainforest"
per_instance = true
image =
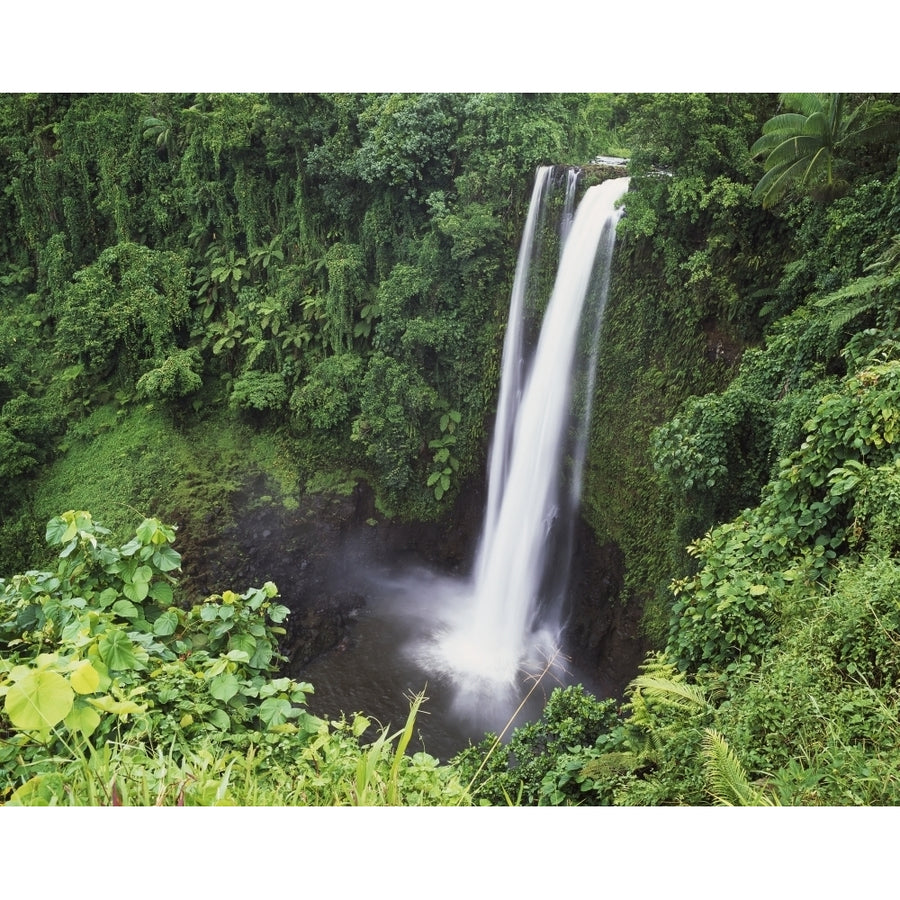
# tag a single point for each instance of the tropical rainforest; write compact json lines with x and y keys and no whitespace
{"x":206,"y":293}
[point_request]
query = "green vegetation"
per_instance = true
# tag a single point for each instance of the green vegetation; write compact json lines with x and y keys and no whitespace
{"x":200,"y":288}
{"x":803,"y":146}
{"x":117,"y":692}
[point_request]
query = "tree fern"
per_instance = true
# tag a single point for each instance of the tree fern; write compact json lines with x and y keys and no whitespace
{"x":862,"y":295}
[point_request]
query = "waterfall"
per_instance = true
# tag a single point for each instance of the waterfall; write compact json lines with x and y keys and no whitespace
{"x":511,"y":373}
{"x":510,"y":620}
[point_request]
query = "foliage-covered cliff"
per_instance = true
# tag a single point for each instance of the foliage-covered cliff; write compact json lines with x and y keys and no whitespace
{"x":200,"y":286}
{"x":331,"y":269}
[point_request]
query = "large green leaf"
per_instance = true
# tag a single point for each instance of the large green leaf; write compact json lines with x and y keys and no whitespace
{"x":166,"y":559}
{"x":117,"y":651}
{"x":107,"y":597}
{"x":262,"y":656}
{"x":166,"y":624}
{"x":224,"y":687}
{"x":84,"y":678}
{"x":83,"y":718}
{"x":125,"y":608}
{"x":242,"y":641}
{"x":39,"y":700}
{"x":116,"y":707}
{"x":162,"y":592}
{"x":137,"y":591}
{"x":220,"y":719}
{"x":274,"y":711}
{"x":56,"y":528}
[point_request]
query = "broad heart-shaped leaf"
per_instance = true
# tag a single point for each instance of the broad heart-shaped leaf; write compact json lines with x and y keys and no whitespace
{"x":83,"y":718}
{"x":56,"y":528}
{"x":142,"y":575}
{"x":220,"y":719}
{"x":117,"y":651}
{"x":209,"y":612}
{"x":274,"y":711}
{"x":152,"y":531}
{"x":162,"y":592}
{"x":224,"y":687}
{"x":166,"y":559}
{"x":39,"y":700}
{"x":137,"y":591}
{"x":125,"y":608}
{"x":166,"y":624}
{"x":242,"y":641}
{"x":107,"y":597}
{"x":220,"y":629}
{"x":84,"y":678}
{"x":262,"y":656}
{"x":131,"y":547}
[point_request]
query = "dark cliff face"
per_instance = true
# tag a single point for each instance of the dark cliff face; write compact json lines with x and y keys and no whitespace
{"x":315,"y":552}
{"x":603,"y":632}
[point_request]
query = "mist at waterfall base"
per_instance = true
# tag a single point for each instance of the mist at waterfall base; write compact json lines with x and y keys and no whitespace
{"x":478,"y":645}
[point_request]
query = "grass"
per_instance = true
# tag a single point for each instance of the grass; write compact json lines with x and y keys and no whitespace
{"x":329,"y":769}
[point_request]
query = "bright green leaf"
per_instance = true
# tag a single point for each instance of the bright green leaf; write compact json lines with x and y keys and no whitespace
{"x":84,"y":678}
{"x":39,"y":700}
{"x":116,"y":707}
{"x":117,"y":651}
{"x":166,"y":624}
{"x":274,"y":711}
{"x":83,"y":719}
{"x":224,"y":687}
{"x":126,"y":609}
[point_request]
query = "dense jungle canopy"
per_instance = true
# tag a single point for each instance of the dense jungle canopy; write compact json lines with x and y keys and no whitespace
{"x":197,"y":289}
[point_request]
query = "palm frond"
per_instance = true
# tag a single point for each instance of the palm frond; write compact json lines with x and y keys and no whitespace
{"x":817,"y":126}
{"x":793,"y":148}
{"x":775,"y":130}
{"x":776,"y":182}
{"x":877,"y":131}
{"x":807,"y":104}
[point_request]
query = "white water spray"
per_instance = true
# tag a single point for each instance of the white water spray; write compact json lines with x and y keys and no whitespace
{"x":504,"y":625}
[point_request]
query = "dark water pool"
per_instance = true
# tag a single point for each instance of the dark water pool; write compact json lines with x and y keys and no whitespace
{"x":379,"y":667}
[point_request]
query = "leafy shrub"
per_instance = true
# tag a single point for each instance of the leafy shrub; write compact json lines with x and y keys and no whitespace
{"x":258,"y":391}
{"x":176,"y":377}
{"x":329,"y":393}
{"x":395,"y":405}
{"x":103,"y":668}
{"x":515,"y":773}
{"x":725,"y":611}
{"x":123,"y":309}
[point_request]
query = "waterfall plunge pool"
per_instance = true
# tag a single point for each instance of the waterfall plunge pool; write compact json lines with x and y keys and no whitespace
{"x":394,"y":650}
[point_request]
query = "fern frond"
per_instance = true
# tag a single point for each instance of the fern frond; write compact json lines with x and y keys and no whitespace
{"x":689,"y":694}
{"x":615,"y":763}
{"x":726,"y":778}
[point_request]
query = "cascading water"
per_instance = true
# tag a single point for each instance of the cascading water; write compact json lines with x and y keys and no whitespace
{"x":506,"y":625}
{"x":472,"y":643}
